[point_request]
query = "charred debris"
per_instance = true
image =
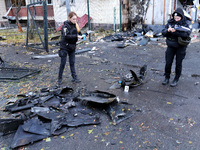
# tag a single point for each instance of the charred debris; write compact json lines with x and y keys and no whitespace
{"x":54,"y":111}
{"x":138,"y":36}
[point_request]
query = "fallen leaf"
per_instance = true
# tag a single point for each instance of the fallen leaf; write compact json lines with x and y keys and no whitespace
{"x":169,"y":103}
{"x":48,"y":139}
{"x":90,"y":131}
{"x":190,"y":142}
{"x":120,"y":142}
{"x":106,"y":133}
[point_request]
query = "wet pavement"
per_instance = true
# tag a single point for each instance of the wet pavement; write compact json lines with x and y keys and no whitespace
{"x":165,"y":118}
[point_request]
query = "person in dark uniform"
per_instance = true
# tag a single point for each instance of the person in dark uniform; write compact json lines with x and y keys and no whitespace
{"x":176,"y":28}
{"x":70,"y":34}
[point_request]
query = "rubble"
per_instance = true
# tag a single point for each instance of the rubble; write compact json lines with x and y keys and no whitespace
{"x":131,"y":79}
{"x":57,"y":111}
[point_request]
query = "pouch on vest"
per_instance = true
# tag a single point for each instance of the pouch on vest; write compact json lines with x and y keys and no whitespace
{"x":184,"y":41}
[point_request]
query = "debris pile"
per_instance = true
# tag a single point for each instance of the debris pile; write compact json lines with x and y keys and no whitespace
{"x":131,"y":79}
{"x":139,"y":37}
{"x":54,"y":111}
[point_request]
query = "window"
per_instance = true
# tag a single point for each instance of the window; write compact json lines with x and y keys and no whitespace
{"x":15,"y":3}
{"x":49,"y":2}
{"x":72,"y":1}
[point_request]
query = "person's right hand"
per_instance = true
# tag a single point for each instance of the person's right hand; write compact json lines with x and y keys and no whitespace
{"x":169,"y":29}
{"x":79,"y":36}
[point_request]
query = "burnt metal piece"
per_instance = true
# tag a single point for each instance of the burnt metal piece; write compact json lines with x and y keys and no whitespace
{"x":99,"y":97}
{"x":144,"y":41}
{"x":22,"y":138}
{"x":51,"y":115}
{"x":76,"y":116}
{"x":135,"y":80}
{"x":118,"y":112}
{"x":9,"y":125}
{"x":15,"y":73}
{"x":22,"y":104}
{"x":116,"y":37}
{"x":35,"y":126}
{"x":52,"y":102}
{"x":66,"y":91}
{"x":39,"y":109}
{"x":20,"y":108}
{"x":123,"y":44}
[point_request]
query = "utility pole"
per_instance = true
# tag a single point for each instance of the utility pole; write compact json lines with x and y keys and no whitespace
{"x":120,"y":15}
{"x":88,"y":7}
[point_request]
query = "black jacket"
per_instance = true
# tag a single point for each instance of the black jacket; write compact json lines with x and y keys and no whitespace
{"x":68,"y":34}
{"x":172,"y":37}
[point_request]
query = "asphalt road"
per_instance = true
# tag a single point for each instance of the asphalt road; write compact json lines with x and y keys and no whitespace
{"x":165,"y":118}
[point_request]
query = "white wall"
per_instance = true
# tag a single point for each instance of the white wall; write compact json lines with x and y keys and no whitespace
{"x":101,"y":11}
{"x":162,"y":11}
{"x":2,"y":10}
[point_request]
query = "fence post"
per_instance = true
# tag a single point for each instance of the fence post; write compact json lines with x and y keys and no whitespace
{"x":45,"y":26}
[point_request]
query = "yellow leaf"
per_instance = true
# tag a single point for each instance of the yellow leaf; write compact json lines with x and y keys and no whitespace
{"x":190,"y":142}
{"x":120,"y":142}
{"x":48,"y":139}
{"x":72,"y":135}
{"x":169,"y":103}
{"x":62,"y":137}
{"x":106,"y":133}
{"x":90,"y":131}
{"x":171,"y":119}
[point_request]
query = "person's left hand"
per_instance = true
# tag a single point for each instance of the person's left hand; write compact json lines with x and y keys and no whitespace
{"x":173,"y":30}
{"x":79,"y":36}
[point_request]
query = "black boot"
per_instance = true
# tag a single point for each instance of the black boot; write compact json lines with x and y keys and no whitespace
{"x":166,"y":81}
{"x":59,"y":82}
{"x":174,"y":83}
{"x":76,"y":80}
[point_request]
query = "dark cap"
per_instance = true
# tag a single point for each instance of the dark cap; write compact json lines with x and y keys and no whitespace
{"x":177,"y":14}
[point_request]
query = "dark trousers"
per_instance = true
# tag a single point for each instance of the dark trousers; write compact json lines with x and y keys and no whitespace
{"x":170,"y":53}
{"x":71,"y":63}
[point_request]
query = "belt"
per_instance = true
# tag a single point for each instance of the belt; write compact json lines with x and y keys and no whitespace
{"x":172,"y":39}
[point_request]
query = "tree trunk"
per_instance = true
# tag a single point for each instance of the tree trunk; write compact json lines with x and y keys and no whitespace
{"x":18,"y":6}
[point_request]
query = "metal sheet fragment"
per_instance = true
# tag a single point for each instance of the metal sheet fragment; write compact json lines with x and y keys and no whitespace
{"x":22,"y":138}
